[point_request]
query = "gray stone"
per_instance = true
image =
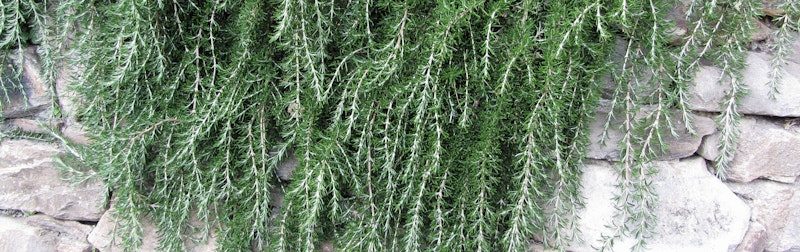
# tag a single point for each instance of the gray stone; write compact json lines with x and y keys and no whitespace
{"x":13,"y":213}
{"x":29,"y":95}
{"x":67,"y":97}
{"x":763,"y":32}
{"x":104,"y":240}
{"x":765,"y":149}
{"x":43,"y":233}
{"x":709,"y":92}
{"x":15,"y":235}
{"x":774,"y":205}
{"x":287,"y":166}
{"x":30,"y":182}
{"x":684,"y":145}
{"x":795,"y":48}
{"x":709,"y":148}
{"x":755,"y":240}
{"x":70,"y":235}
{"x":677,"y":15}
{"x":696,"y":212}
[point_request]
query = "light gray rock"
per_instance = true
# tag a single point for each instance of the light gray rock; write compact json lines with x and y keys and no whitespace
{"x":682,"y":146}
{"x":765,"y":149}
{"x":104,"y":239}
{"x":15,"y":235}
{"x":708,"y":91}
{"x":696,"y":212}
{"x":795,"y":49}
{"x":709,"y":148}
{"x":43,"y":233}
{"x":29,"y":95}
{"x":755,"y":240}
{"x":30,"y":182}
{"x":67,"y":97}
{"x":774,"y":205}
{"x":70,"y":235}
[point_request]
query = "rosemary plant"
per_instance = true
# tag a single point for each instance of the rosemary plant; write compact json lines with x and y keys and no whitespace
{"x":417,"y":125}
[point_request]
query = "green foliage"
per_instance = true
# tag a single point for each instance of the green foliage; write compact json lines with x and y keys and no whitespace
{"x":417,"y":125}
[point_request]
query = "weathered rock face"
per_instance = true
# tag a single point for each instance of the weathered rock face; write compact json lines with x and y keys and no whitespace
{"x":775,"y":205}
{"x":708,"y":92}
{"x":764,"y":150}
{"x":15,"y":105}
{"x":755,"y":240}
{"x":102,"y":237}
{"x":696,"y":211}
{"x":682,"y":146}
{"x":43,"y":233}
{"x":30,"y":182}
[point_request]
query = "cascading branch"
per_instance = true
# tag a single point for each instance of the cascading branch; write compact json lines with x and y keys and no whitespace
{"x":417,"y":125}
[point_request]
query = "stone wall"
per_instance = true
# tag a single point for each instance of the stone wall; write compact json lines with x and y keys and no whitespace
{"x":757,"y":209}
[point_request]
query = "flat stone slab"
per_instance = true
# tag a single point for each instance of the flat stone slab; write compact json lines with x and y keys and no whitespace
{"x":30,"y":182}
{"x":708,"y":91}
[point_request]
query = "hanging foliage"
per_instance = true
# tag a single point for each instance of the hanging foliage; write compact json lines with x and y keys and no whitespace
{"x":417,"y":125}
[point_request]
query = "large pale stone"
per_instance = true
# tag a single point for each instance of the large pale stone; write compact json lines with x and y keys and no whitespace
{"x":774,"y":205}
{"x":30,"y":182}
{"x":104,"y":239}
{"x":765,"y":149}
{"x":43,"y":233}
{"x":684,"y":145}
{"x":708,"y":92}
{"x":696,"y":212}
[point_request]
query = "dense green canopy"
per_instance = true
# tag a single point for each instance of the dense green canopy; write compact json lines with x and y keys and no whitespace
{"x":417,"y":125}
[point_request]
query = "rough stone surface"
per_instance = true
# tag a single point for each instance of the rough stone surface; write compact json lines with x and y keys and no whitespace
{"x":76,"y":133}
{"x":30,"y":182}
{"x":766,"y":149}
{"x":708,"y":91}
{"x":677,"y":147}
{"x":763,"y":32}
{"x":795,"y":56}
{"x":70,"y":235}
{"x":696,"y":212}
{"x":16,"y":236}
{"x":708,"y":149}
{"x":35,"y":90}
{"x":43,"y":233}
{"x":67,"y":98}
{"x":755,"y":240}
{"x":286,"y":167}
{"x":34,"y":126}
{"x":103,"y":238}
{"x":774,"y":205}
